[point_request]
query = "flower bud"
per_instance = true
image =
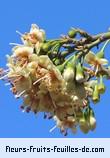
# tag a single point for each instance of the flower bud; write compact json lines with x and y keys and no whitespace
{"x":96,"y":97}
{"x":72,"y":33}
{"x":68,"y":74}
{"x":101,"y":86}
{"x":57,"y":61}
{"x":83,"y":124}
{"x":79,"y":73}
{"x":45,"y":47}
{"x":92,"y":123}
{"x":60,"y":68}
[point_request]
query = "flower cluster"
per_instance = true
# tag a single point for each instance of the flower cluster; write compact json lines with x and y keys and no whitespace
{"x":63,"y":89}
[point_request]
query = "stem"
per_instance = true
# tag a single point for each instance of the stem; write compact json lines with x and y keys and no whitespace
{"x":98,"y":39}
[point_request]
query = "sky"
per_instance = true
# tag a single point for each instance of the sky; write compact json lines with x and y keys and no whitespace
{"x":55,"y":17}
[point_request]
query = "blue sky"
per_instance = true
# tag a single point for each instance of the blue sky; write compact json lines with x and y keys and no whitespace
{"x":56,"y":17}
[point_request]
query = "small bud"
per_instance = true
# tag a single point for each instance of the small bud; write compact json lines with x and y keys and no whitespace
{"x":57,"y":61}
{"x":45,"y":47}
{"x":72,"y":33}
{"x":96,"y":97}
{"x":79,"y":73}
{"x":101,"y":86}
{"x":83,"y":125}
{"x":60,"y":68}
{"x":68,"y":74}
{"x":89,"y":115}
{"x":92,"y":123}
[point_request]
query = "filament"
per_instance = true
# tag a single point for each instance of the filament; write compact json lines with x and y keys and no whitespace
{"x":1,"y":78}
{"x":52,"y":129}
{"x":7,"y":84}
{"x":39,"y":80}
{"x":19,"y":33}
{"x":16,"y":44}
{"x":18,"y":95}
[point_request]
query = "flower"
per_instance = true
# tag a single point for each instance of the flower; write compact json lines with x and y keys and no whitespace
{"x":92,"y":59}
{"x":38,"y":33}
{"x":34,"y":37}
{"x":95,"y":60}
{"x":22,"y":51}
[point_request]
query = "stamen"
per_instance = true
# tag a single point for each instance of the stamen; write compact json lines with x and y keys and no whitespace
{"x":19,"y":33}
{"x":52,"y":129}
{"x":45,"y":115}
{"x":3,"y":77}
{"x":39,"y":80}
{"x":6,"y":70}
{"x":7,"y":84}
{"x":15,"y":44}
{"x":23,"y":110}
{"x":20,"y":94}
{"x":53,"y":102}
{"x":25,"y":96}
{"x":16,"y":80}
{"x":97,"y":67}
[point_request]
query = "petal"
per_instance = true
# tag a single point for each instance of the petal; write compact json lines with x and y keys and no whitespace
{"x":103,"y":61}
{"x":90,"y":58}
{"x":23,"y":51}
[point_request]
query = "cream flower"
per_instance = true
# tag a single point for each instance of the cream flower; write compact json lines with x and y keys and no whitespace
{"x":45,"y":62}
{"x":92,"y":59}
{"x":95,"y":61}
{"x":22,"y":51}
{"x":38,"y":33}
{"x":35,"y":36}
